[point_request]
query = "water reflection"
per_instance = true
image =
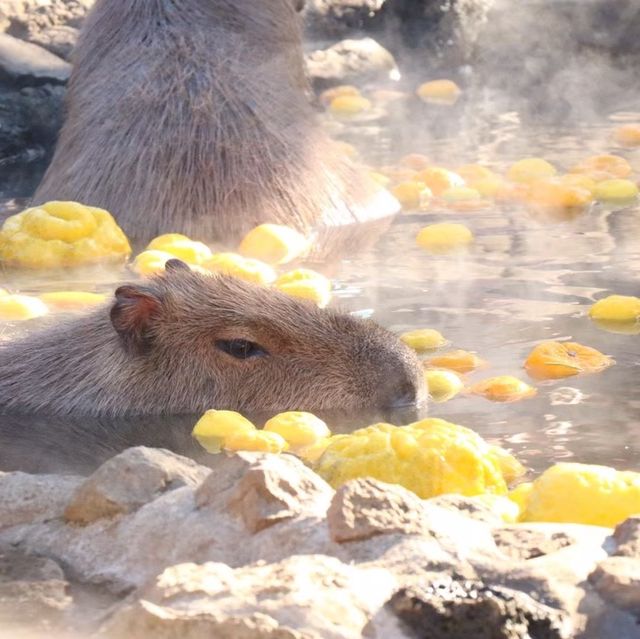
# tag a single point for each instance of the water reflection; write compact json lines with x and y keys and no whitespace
{"x":526,"y":279}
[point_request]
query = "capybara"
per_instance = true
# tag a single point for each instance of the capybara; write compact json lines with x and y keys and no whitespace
{"x":193,"y":117}
{"x":184,"y":342}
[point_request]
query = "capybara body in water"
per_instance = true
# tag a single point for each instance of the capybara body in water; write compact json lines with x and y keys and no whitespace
{"x":185,"y":342}
{"x":192,"y":117}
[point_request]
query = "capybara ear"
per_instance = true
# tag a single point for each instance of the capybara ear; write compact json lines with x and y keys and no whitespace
{"x":176,"y":265}
{"x":131,"y":315}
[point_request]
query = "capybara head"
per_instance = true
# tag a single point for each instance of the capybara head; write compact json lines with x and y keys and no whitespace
{"x":186,"y":342}
{"x":193,"y":117}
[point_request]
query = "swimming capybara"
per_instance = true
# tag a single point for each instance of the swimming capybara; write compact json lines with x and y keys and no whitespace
{"x":193,"y":117}
{"x":185,"y":342}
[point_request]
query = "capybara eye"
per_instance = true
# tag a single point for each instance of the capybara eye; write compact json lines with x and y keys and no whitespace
{"x":298,"y":4}
{"x":240,"y":348}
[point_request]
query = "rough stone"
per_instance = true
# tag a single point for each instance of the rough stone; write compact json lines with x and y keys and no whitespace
{"x":24,"y":18}
{"x":350,"y":61}
{"x":362,"y":508}
{"x":59,"y":40}
{"x":299,"y":597}
{"x":270,"y":489}
{"x":129,"y":480}
{"x":29,"y":499}
{"x":627,"y":537}
{"x":617,"y":581}
{"x":31,"y":589}
{"x":521,"y":543}
{"x":27,"y":64}
{"x":449,"y":609}
{"x":331,"y":18}
{"x":467,"y":506}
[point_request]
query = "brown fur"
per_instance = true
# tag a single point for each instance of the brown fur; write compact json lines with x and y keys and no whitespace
{"x":162,"y":357}
{"x":191,"y":116}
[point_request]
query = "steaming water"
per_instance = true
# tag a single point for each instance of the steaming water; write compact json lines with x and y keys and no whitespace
{"x":524,"y":281}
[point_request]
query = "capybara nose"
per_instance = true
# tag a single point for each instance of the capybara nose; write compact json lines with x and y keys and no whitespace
{"x":404,"y":394}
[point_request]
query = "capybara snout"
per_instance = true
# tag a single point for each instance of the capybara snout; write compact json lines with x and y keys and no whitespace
{"x":185,"y":342}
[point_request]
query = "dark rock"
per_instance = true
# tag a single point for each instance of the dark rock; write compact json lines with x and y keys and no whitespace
{"x":25,"y":64}
{"x":452,"y":609}
{"x":617,"y":581}
{"x":335,"y":18}
{"x":350,"y":61}
{"x":627,"y":536}
{"x":525,"y":543}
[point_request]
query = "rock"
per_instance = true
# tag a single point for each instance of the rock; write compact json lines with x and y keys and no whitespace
{"x":270,"y":489}
{"x":29,"y":499}
{"x":467,"y":506}
{"x":331,"y":18}
{"x":31,"y":589}
{"x":301,"y":597}
{"x":129,"y":480}
{"x":25,"y":18}
{"x":26,"y":64}
{"x":362,"y":508}
{"x":627,"y":536}
{"x":59,"y":40}
{"x":521,"y":543}
{"x":449,"y":609}
{"x":350,"y":61}
{"x":617,"y":581}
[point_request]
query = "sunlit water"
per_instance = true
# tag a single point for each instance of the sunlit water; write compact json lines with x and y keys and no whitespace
{"x":525,"y":280}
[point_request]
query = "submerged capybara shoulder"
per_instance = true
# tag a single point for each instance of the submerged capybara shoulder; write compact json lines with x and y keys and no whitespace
{"x":184,"y":342}
{"x":192,"y":117}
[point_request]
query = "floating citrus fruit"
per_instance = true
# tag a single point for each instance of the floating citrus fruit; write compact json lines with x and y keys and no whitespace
{"x":555,"y":360}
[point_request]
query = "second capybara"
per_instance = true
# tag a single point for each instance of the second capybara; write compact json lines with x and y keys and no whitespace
{"x":193,"y":117}
{"x":185,"y":342}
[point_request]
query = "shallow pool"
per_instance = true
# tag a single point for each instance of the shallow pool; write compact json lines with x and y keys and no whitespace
{"x":525,"y":279}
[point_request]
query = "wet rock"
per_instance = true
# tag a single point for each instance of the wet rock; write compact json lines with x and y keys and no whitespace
{"x":31,"y":589}
{"x":59,"y":40}
{"x":350,"y":61}
{"x":269,"y":489}
{"x":26,"y":64}
{"x":627,"y":537}
{"x":449,"y":609}
{"x":521,"y":543}
{"x":300,"y":597}
{"x":130,"y":480}
{"x":29,"y":499}
{"x":362,"y":508}
{"x":617,"y":581}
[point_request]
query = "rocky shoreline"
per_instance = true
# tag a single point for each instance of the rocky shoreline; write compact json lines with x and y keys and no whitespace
{"x":153,"y":544}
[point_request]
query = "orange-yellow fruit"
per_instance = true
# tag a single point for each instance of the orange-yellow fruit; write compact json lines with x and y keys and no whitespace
{"x":459,"y":361}
{"x":326,"y":97}
{"x":72,"y":300}
{"x":530,"y":170}
{"x":603,"y":167}
{"x":348,"y":105}
{"x":409,"y":193}
{"x":415,"y":161}
{"x":555,"y":360}
{"x":503,"y":388}
{"x":557,"y":193}
{"x":439,"y":179}
{"x":628,"y":134}
{"x":444,"y":237}
{"x":439,"y":92}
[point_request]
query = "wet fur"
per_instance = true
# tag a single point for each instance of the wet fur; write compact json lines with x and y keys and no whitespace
{"x":191,"y":116}
{"x":136,"y":356}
